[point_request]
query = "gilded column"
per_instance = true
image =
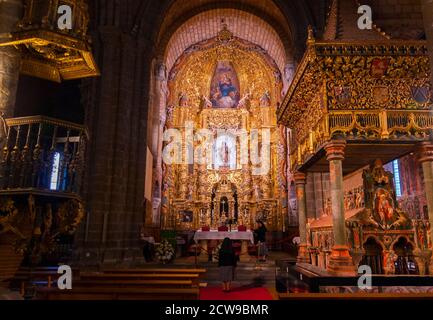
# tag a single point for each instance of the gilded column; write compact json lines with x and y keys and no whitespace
{"x":426,"y":160}
{"x":10,"y":14}
{"x":300,"y":180}
{"x":340,"y":261}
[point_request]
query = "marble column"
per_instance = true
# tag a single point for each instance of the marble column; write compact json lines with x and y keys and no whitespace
{"x":427,"y":10}
{"x":340,"y":261}
{"x":425,"y":155}
{"x":11,"y":12}
{"x":300,"y":180}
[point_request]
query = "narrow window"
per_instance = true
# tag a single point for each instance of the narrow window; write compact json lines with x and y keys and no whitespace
{"x":397,"y":182}
{"x":55,"y":172}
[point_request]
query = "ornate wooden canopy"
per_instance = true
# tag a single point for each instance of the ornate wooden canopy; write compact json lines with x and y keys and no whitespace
{"x":49,"y":52}
{"x":375,"y":94}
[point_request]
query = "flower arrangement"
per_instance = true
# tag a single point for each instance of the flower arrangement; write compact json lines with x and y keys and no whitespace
{"x":164,"y":251}
{"x":216,"y":252}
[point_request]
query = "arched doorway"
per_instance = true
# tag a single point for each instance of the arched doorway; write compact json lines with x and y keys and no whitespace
{"x":373,"y":256}
{"x":405,"y":262}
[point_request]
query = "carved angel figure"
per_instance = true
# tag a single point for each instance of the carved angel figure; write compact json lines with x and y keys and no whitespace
{"x":205,"y":102}
{"x":389,"y":262}
{"x":245,"y":102}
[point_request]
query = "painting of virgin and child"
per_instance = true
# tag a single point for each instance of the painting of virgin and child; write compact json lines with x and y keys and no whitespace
{"x":224,"y":86}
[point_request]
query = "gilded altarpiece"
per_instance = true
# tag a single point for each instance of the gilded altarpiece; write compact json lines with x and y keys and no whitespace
{"x":230,"y":88}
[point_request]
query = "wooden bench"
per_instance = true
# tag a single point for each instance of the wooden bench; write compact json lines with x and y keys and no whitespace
{"x":41,"y":275}
{"x":355,"y":296}
{"x":120,"y":284}
{"x":138,"y":276}
{"x":134,"y":283}
{"x":116,"y":293}
{"x":154,"y":270}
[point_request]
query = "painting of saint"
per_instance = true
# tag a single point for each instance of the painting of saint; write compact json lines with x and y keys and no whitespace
{"x":384,"y":207}
{"x":225,"y":86}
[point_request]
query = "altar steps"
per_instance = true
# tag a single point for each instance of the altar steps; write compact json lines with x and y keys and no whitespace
{"x":247,"y":274}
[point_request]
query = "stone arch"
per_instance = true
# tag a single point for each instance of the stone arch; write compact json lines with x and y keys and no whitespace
{"x":373,"y":254}
{"x":178,"y":12}
{"x":375,"y":238}
{"x":186,"y":23}
{"x":243,"y":24}
{"x":397,"y":239}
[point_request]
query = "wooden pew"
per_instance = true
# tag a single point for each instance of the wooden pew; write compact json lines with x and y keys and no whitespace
{"x":119,"y":284}
{"x":138,"y":276}
{"x":118,"y":293}
{"x":39,"y":275}
{"x":355,"y":296}
{"x":135,"y":283}
{"x":155,"y":270}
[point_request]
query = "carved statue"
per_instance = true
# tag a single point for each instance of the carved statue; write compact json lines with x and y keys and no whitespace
{"x":183,"y":100}
{"x":389,"y":262}
{"x":379,"y":174}
{"x":3,"y":128}
{"x":205,"y":103}
{"x":380,"y":201}
{"x":265,"y":100}
{"x":245,"y":102}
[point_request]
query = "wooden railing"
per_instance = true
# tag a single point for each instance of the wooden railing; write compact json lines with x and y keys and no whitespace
{"x":44,"y":153}
{"x":391,"y":125}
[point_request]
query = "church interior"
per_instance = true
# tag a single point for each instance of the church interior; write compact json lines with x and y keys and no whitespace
{"x":140,"y":139}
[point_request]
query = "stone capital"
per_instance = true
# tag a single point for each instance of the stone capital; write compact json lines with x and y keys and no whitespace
{"x":335,"y":150}
{"x":300,"y":178}
{"x":425,"y":152}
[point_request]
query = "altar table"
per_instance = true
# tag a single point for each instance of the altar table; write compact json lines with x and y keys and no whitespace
{"x":244,"y":236}
{"x":220,"y":235}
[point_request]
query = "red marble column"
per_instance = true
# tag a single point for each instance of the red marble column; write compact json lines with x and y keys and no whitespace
{"x":425,"y":154}
{"x":300,"y":180}
{"x":340,"y":261}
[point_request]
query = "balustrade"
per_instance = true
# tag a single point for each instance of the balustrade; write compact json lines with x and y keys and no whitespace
{"x":42,"y":153}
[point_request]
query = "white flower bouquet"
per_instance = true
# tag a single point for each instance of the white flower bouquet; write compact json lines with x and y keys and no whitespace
{"x":164,"y":251}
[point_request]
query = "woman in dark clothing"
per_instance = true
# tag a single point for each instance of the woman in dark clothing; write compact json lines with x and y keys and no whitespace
{"x":227,"y":263}
{"x":260,"y":234}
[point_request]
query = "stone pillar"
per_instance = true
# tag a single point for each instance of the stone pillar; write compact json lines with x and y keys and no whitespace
{"x":300,"y":179}
{"x":340,"y":261}
{"x":426,"y":159}
{"x":427,"y":10}
{"x":10,"y":13}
